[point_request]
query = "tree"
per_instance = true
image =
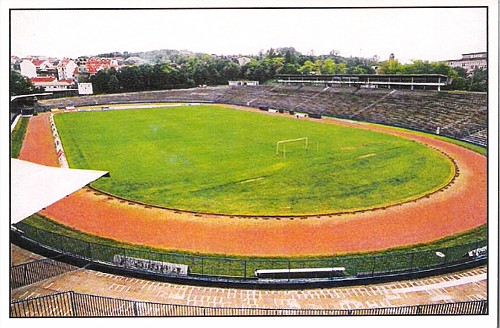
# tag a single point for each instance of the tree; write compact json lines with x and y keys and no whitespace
{"x":100,"y":82}
{"x":131,"y":79}
{"x":328,"y":66}
{"x":230,"y":71}
{"x":310,"y":67}
{"x":390,"y":66}
{"x":20,"y":85}
{"x":175,"y":78}
{"x":479,"y":80}
{"x":290,"y":68}
{"x":341,"y":68}
{"x":196,"y":70}
{"x":290,"y":55}
{"x":443,"y":68}
{"x":416,"y":67}
{"x":459,"y":79}
{"x":265,"y":69}
{"x":113,"y":84}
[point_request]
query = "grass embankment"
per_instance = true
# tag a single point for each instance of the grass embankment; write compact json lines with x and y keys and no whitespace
{"x":17,"y":137}
{"x":218,"y":160}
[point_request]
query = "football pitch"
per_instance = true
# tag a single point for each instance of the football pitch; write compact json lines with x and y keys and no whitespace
{"x":213,"y":159}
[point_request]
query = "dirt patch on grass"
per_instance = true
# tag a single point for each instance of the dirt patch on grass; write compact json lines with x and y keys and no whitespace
{"x":459,"y":207}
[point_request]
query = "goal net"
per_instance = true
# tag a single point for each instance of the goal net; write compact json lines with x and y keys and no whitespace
{"x":281,"y":145}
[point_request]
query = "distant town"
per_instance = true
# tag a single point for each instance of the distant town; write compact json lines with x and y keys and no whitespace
{"x":54,"y":74}
{"x":168,"y":69}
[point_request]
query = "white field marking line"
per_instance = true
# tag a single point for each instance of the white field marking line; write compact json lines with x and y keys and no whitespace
{"x":251,"y":180}
{"x":367,"y":155}
{"x":444,"y":284}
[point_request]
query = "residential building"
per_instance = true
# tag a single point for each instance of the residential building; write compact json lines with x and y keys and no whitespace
{"x":66,"y":69}
{"x":28,"y":68}
{"x":90,"y":66}
{"x":470,"y":61}
{"x":36,"y":67}
{"x":51,"y":84}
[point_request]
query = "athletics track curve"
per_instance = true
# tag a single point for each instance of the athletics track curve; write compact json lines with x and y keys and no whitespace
{"x":459,"y":207}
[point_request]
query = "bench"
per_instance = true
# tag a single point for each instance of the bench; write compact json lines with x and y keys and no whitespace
{"x":300,"y":273}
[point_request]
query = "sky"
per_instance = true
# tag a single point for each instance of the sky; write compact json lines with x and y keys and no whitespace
{"x":432,"y":34}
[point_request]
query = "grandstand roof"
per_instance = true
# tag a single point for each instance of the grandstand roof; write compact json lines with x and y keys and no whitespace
{"x":364,"y":75}
{"x":34,"y":186}
{"x":30,"y":95}
{"x":383,"y":80}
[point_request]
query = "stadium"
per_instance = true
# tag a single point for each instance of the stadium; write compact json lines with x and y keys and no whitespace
{"x":330,"y":184}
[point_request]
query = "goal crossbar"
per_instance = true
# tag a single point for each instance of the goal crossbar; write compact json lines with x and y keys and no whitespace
{"x":284,"y":142}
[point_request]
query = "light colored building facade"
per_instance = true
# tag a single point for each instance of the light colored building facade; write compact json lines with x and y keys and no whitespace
{"x":35,"y":67}
{"x":471,"y":61}
{"x":28,"y":68}
{"x":51,"y":84}
{"x":66,"y":69}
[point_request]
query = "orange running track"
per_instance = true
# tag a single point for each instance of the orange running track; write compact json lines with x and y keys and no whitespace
{"x":460,"y":207}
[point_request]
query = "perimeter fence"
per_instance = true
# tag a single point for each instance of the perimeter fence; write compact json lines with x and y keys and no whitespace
{"x":72,"y":304}
{"x":243,"y":268}
{"x":28,"y":273}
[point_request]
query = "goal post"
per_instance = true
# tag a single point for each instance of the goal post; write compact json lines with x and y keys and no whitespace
{"x":284,"y":142}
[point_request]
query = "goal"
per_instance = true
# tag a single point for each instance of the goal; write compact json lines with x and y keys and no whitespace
{"x":283,"y":144}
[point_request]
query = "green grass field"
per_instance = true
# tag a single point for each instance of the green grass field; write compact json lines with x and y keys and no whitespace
{"x":219,"y":160}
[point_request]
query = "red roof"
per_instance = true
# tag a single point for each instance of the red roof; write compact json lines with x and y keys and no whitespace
{"x":91,"y":69}
{"x":64,"y":62}
{"x":42,"y":79}
{"x":37,"y":62}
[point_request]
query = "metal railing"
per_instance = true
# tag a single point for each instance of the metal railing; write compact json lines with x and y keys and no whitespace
{"x":71,"y":304}
{"x":28,"y":273}
{"x":356,"y":267}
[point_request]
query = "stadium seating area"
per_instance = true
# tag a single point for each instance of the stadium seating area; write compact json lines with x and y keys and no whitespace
{"x":458,"y":115}
{"x":177,"y":95}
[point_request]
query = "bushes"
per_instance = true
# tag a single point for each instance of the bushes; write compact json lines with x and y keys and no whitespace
{"x":17,"y":137}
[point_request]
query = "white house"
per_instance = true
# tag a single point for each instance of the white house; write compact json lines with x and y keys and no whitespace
{"x":51,"y":84}
{"x":243,"y":60}
{"x":28,"y":68}
{"x":66,"y":69}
